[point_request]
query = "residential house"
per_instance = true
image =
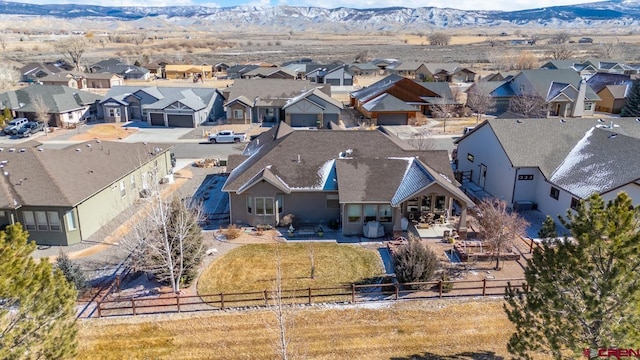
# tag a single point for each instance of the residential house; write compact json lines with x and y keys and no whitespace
{"x":412,"y":70}
{"x":162,"y":106}
{"x":221,"y":67}
{"x":116,"y":66}
{"x":78,"y":80}
{"x":263,"y":100}
{"x":448,"y":72}
{"x":564,"y":92}
{"x":313,"y":108}
{"x":586,"y":70}
{"x":383,"y":64}
{"x":156,"y":70}
{"x":65,"y":106}
{"x":551,"y":164}
{"x":364,"y":69}
{"x":612,"y":90}
{"x":269,"y":73}
{"x":340,"y":176}
{"x":403,"y":100}
{"x":237,"y":71}
{"x":33,"y":72}
{"x":64,"y":196}
{"x":335,"y":75}
{"x":186,"y":71}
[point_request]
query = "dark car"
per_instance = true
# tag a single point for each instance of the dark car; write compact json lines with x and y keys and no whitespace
{"x":30,"y":128}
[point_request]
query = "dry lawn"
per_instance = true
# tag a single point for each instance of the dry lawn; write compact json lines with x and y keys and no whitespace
{"x":410,"y":330}
{"x":334,"y":265}
{"x":105,"y":132}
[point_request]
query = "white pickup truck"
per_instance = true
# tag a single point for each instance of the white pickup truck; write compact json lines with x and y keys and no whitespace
{"x":227,"y":136}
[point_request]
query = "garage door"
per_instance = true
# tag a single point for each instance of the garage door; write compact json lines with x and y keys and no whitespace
{"x":157,"y":119}
{"x":304,"y":120}
{"x":180,"y":120}
{"x":392,"y":119}
{"x":330,"y":117}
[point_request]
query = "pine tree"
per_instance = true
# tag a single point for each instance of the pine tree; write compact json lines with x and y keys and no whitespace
{"x":37,"y":311}
{"x":548,"y":230}
{"x":583,"y":292}
{"x":632,"y":104}
{"x":71,"y":271}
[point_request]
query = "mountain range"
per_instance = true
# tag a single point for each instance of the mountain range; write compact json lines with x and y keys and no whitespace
{"x":616,"y":13}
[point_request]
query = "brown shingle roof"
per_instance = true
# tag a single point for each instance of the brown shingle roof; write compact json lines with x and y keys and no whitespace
{"x":66,"y":177}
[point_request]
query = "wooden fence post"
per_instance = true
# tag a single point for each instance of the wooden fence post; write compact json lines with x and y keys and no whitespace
{"x":133,"y":306}
{"x":309,"y":295}
{"x":484,"y":287}
{"x":266,"y":297}
{"x":530,"y":246}
{"x":221,"y":301}
{"x":178,"y":302}
{"x":440,"y":287}
{"x":397,"y":290}
{"x":353,"y":293}
{"x":98,"y":304}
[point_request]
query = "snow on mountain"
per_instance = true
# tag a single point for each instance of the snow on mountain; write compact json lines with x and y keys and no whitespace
{"x":613,"y":12}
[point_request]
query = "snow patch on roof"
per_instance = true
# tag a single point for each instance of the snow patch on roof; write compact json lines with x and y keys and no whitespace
{"x":323,"y":175}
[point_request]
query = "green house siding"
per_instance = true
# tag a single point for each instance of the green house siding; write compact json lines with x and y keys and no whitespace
{"x":46,"y":225}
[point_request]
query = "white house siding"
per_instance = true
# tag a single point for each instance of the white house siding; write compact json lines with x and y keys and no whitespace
{"x":486,"y":149}
{"x":632,"y":189}
{"x":550,"y":206}
{"x":525,"y":190}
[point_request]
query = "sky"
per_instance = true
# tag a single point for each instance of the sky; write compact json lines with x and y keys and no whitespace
{"x":505,"y":5}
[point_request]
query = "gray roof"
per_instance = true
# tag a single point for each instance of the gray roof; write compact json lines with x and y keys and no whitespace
{"x":116,"y":66}
{"x":388,"y":103}
{"x":543,"y":79}
{"x":58,"y":98}
{"x":270,"y":92}
{"x":575,"y":152}
{"x":66,"y":177}
{"x":194,"y":98}
{"x":367,"y":158}
{"x":65,"y":75}
{"x":315,"y":92}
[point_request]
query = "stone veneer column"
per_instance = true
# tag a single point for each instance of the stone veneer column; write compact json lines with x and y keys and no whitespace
{"x":397,"y":222}
{"x":462,"y":224}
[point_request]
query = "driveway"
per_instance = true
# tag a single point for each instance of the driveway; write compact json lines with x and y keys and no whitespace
{"x":215,"y":203}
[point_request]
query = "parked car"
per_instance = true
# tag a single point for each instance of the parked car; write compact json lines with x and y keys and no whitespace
{"x":15,"y":125}
{"x":30,"y":128}
{"x":227,"y":136}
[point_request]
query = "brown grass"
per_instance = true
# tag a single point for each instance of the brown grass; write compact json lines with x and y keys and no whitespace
{"x":253,"y":267}
{"x":105,"y":132}
{"x":409,"y":330}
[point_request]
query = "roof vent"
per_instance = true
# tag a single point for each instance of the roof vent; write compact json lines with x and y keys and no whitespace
{"x":1,"y":149}
{"x":6,"y":173}
{"x":88,"y":145}
{"x":12,"y":149}
{"x":22,"y":150}
{"x":98,"y":141}
{"x":298,"y":157}
{"x":78,"y":149}
{"x":40,"y":149}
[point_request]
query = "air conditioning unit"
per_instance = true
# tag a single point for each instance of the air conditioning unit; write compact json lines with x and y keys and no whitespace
{"x":524,"y":205}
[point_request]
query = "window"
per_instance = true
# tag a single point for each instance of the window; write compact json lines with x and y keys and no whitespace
{"x":249,"y":205}
{"x":440,"y":200}
{"x":354,"y":212}
{"x":555,"y":193}
{"x":280,"y":200}
{"x":384,"y":213}
{"x":333,"y":202}
{"x":470,"y":157}
{"x":238,"y":113}
{"x":370,"y":212}
{"x":123,"y":189}
{"x":588,"y":106}
{"x":412,"y":205}
{"x":54,"y":220}
{"x":29,"y":220}
{"x":426,"y":203}
{"x":264,"y":206}
{"x":71,"y":220}
{"x":525,"y":177}
{"x":575,"y":203}
{"x":41,"y":221}
{"x":133,"y":182}
{"x":114,"y":112}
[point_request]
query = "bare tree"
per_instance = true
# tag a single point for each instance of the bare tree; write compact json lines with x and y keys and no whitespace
{"x":528,"y":105}
{"x":441,"y":110}
{"x":422,"y":140}
{"x":284,"y":313}
{"x":560,"y":52}
{"x":559,"y":38}
{"x":480,"y":100}
{"x":439,"y":39}
{"x":500,"y":227}
{"x":166,"y":240}
{"x":609,"y":50}
{"x":73,"y":48}
{"x":138,"y":39}
{"x":8,"y":76}
{"x":362,"y":57}
{"x":41,"y":112}
{"x":526,"y":60}
{"x":3,"y":42}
